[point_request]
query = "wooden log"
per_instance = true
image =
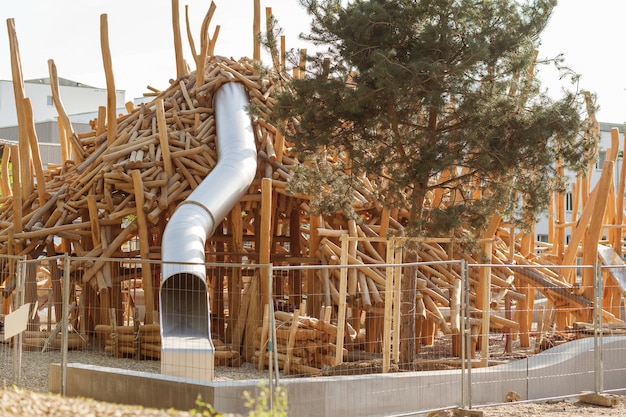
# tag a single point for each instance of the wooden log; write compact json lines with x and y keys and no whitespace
{"x":455,"y":307}
{"x":163,"y":138}
{"x":291,"y":340}
{"x":110,"y":79}
{"x":34,"y":149}
{"x":265,"y":233}
{"x":4,"y":177}
{"x":115,"y":244}
{"x":438,"y":316}
{"x":333,"y":249}
{"x":264,"y":337}
{"x":593,"y":234}
{"x":67,"y":137}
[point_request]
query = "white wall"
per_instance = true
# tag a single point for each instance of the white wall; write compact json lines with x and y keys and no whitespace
{"x":75,"y":100}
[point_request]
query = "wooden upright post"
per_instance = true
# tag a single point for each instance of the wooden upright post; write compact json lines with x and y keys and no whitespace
{"x":18,"y":89}
{"x":110,"y":80}
{"x":178,"y":43}
{"x":144,"y":246}
{"x":265,"y":242}
{"x":256,"y":31}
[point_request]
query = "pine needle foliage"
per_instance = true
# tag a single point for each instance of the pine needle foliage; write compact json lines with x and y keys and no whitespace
{"x":436,"y":104}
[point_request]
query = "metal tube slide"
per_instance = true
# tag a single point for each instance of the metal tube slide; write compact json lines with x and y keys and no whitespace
{"x":187,"y":349}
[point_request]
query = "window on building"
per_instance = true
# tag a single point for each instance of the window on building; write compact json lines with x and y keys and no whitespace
{"x":600,"y":160}
{"x":49,"y":101}
{"x":569,"y":202}
{"x":542,"y":238}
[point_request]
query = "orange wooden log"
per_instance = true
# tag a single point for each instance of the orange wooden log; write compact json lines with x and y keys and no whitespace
{"x":110,"y":79}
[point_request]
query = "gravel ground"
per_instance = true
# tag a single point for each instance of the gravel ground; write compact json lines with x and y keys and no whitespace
{"x":561,"y":408}
{"x":35,"y":366}
{"x":31,"y":398}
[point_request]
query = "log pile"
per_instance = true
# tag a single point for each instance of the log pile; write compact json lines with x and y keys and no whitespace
{"x":44,"y":340}
{"x":304,"y":344}
{"x":149,"y":336}
{"x":144,"y":342}
{"x":119,"y":341}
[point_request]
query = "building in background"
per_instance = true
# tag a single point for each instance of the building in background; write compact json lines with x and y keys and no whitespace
{"x":595,"y":172}
{"x":76,"y":97}
{"x":80,"y":101}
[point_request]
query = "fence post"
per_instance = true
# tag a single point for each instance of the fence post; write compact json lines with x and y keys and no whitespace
{"x":65,"y":320}
{"x":598,"y":291}
{"x":272,"y":347}
{"x":466,"y":339}
{"x":18,"y":301}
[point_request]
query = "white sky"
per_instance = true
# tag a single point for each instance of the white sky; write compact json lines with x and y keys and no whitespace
{"x":588,"y":32}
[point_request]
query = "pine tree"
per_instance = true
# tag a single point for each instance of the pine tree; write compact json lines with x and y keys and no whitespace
{"x":436,"y":103}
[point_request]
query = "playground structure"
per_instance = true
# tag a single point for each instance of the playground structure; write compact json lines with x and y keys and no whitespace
{"x":128,"y":178}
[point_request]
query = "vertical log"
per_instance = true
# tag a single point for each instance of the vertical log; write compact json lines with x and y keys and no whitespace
{"x":352,"y":246}
{"x":256,"y":31}
{"x":283,"y":55}
{"x":206,"y":44}
{"x":68,"y":139}
{"x":178,"y":44}
{"x":163,"y":138}
{"x":483,"y":298}
{"x":144,"y":246}
{"x":34,"y":146}
{"x":265,"y":328}
{"x":295,"y":251}
{"x":302,"y":64}
{"x":407,"y":311}
{"x":265,"y":243}
{"x":17,"y":197}
{"x":314,"y":286}
{"x":18,"y":89}
{"x":559,"y":230}
{"x":341,"y":307}
{"x":234,"y":283}
{"x":92,"y":205}
{"x":217,"y":288}
{"x":110,"y":80}
{"x":5,"y":184}
{"x":619,"y":203}
{"x":524,"y":313}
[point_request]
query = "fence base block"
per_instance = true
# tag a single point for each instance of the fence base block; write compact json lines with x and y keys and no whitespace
{"x":604,"y":400}
{"x":456,"y":412}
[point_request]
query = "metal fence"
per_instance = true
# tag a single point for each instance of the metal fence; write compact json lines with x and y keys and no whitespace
{"x":466,"y":334}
